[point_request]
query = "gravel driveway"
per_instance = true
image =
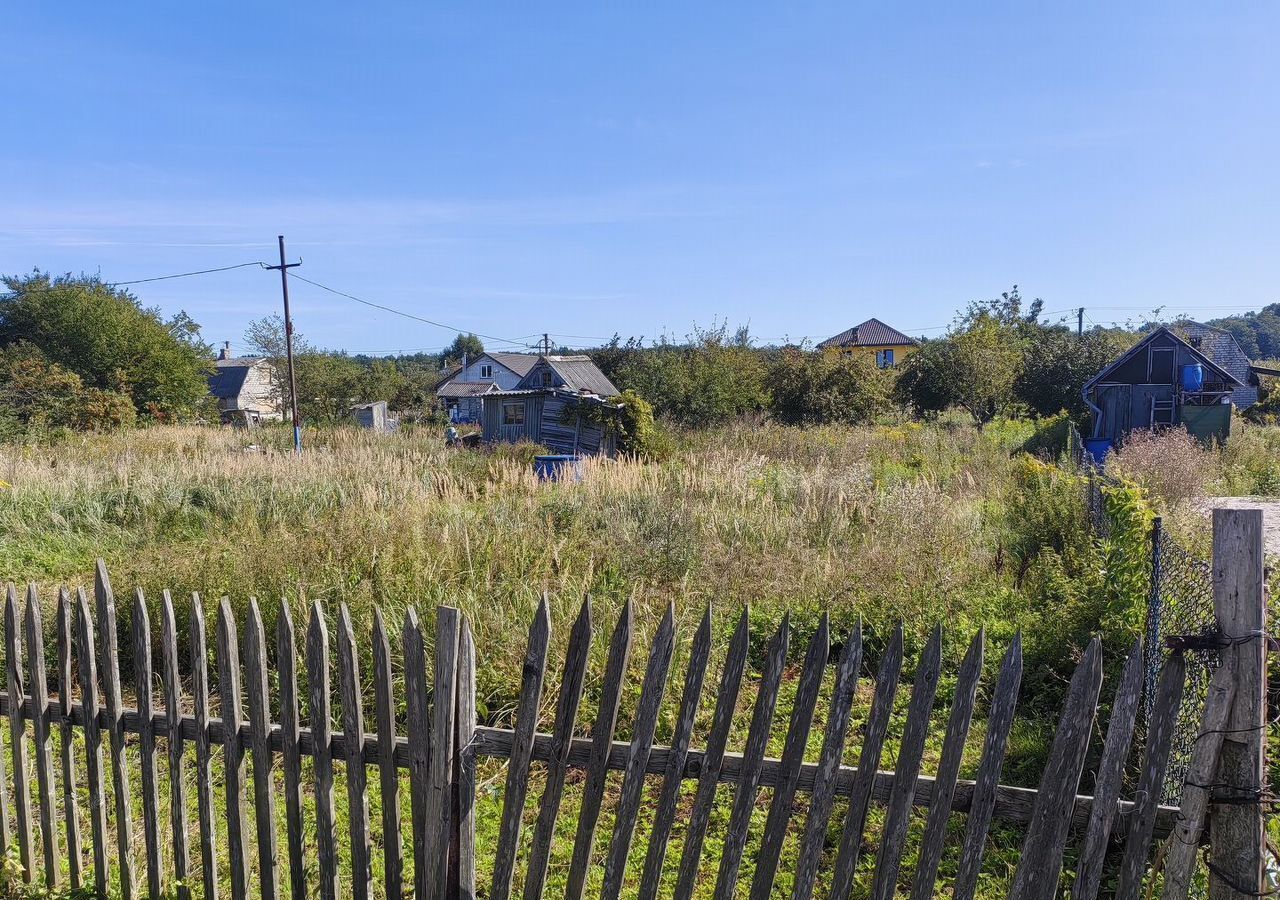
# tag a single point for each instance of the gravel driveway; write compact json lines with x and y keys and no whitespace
{"x":1270,"y":507}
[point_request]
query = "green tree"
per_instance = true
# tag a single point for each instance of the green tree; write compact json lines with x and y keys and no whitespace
{"x":1057,"y":363}
{"x":110,"y":341}
{"x":827,"y":388}
{"x":463,"y":345}
{"x":37,"y":394}
{"x":924,"y":384}
{"x":712,"y":378}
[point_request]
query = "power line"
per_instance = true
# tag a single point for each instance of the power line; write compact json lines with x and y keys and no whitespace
{"x":186,"y":274}
{"x":56,"y":288}
{"x":398,"y":312}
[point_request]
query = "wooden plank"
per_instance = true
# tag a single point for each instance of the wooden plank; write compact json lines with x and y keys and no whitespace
{"x":177,"y":764}
{"x":142,"y":669}
{"x":4,"y":806}
{"x":935,"y":830}
{"x":877,"y":727}
{"x":440,"y":782}
{"x":744,"y":800}
{"x":357,"y":776}
{"x":1236,"y":850}
{"x":665,"y":816}
{"x":1107,"y":785}
{"x":115,"y":727}
{"x":784,"y":795}
{"x":70,"y":803}
{"x":321,"y":732}
{"x":535,"y":667}
{"x":18,"y":735}
{"x":1160,"y":734}
{"x":824,"y":786}
{"x":418,"y":727}
{"x":651,"y":694}
{"x":204,"y":749}
{"x":43,"y":745}
{"x":897,"y":817}
{"x":465,"y":777}
{"x":388,"y":778}
{"x":601,"y":743}
{"x":1041,"y":864}
{"x":1179,"y":865}
{"x":235,"y":771}
{"x":290,"y":757}
{"x":712,"y":761}
{"x":571,"y":681}
{"x":986,"y":791}
{"x":86,"y":659}
{"x":264,"y":805}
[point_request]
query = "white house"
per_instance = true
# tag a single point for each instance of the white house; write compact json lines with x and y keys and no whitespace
{"x":491,"y":371}
{"x":245,"y":388}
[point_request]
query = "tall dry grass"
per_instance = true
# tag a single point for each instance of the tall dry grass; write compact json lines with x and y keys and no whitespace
{"x":885,"y":523}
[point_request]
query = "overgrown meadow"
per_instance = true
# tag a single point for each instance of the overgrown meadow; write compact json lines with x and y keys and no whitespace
{"x":927,"y":524}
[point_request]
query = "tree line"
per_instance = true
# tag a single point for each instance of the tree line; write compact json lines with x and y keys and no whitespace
{"x":78,"y":353}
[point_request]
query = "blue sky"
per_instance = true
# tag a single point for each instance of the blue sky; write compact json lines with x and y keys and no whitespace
{"x":580,"y":170}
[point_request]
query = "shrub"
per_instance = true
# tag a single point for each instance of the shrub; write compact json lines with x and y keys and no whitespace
{"x":1170,"y":465}
{"x":827,"y":389}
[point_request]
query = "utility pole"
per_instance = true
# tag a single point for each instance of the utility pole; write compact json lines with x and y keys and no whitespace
{"x":546,"y":344}
{"x":1080,"y":322}
{"x":288,"y":346}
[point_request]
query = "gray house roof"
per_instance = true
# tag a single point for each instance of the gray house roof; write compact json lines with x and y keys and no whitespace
{"x":227,"y":381}
{"x":520,"y":363}
{"x":871,"y":333}
{"x":576,"y":373}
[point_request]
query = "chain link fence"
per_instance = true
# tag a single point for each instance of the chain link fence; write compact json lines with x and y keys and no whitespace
{"x":1180,"y":616}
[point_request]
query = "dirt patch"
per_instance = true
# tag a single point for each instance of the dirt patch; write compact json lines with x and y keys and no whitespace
{"x":1270,"y":507}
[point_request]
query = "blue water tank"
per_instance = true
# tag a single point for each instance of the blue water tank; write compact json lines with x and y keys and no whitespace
{"x":1193,"y":378}
{"x":558,"y":468}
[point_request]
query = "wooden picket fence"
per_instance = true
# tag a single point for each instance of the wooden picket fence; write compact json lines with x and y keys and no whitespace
{"x":441,"y":744}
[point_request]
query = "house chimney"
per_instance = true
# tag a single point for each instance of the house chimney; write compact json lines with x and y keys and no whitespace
{"x":225,"y":352}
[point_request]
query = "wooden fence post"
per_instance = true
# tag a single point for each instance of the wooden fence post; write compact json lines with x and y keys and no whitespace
{"x":1236,"y":835}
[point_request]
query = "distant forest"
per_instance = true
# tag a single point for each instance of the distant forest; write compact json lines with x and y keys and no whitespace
{"x":1257,"y":332}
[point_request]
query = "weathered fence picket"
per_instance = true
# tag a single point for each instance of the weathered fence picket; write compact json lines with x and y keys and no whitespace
{"x":70,"y":805}
{"x":442,"y":745}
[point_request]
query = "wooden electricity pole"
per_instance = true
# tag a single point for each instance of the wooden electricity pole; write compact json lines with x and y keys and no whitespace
{"x":288,"y":346}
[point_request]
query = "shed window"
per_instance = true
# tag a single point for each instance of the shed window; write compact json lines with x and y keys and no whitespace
{"x":513,"y":413}
{"x":486,"y":371}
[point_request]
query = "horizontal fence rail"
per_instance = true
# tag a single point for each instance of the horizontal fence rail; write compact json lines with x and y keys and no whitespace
{"x":329,"y":845}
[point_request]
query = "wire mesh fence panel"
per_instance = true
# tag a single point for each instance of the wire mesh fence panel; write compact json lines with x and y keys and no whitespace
{"x":1180,"y":619}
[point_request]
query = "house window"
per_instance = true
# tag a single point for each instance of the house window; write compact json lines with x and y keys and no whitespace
{"x":486,"y":371}
{"x":546,"y":379}
{"x":884,"y":359}
{"x":513,"y":413}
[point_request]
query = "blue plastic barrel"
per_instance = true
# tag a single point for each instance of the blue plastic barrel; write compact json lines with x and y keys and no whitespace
{"x":1193,"y":378}
{"x":558,"y":468}
{"x":1097,"y":448}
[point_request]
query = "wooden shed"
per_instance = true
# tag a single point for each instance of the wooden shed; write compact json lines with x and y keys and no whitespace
{"x":1164,"y":380}
{"x":560,"y":403}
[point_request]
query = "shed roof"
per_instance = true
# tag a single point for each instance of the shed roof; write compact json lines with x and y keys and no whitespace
{"x":581,"y":374}
{"x":1164,"y":330}
{"x":871,"y":333}
{"x":458,"y":389}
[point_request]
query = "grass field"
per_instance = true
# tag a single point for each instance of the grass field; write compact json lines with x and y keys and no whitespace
{"x":927,"y":524}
